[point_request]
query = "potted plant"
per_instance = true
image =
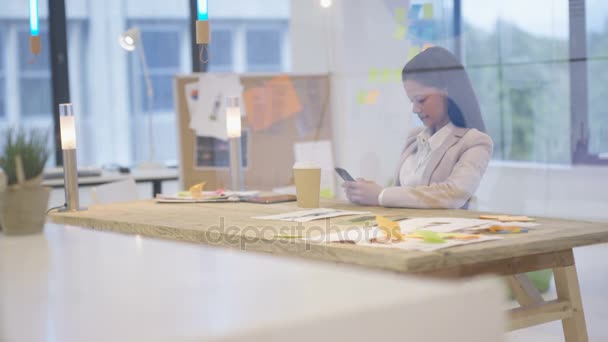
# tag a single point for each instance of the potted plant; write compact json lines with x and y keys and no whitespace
{"x":24,"y":202}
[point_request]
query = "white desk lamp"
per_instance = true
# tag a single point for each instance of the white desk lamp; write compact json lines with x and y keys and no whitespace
{"x":67,"y":125}
{"x":131,"y":41}
{"x":233,"y":130}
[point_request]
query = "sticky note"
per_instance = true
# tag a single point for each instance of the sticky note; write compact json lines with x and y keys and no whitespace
{"x":361,"y":97}
{"x":430,"y":236}
{"x":372,"y":97}
{"x":400,"y":32}
{"x":427,"y":11}
{"x":373,"y":75}
{"x":415,"y":12}
{"x":397,"y":75}
{"x":386,"y":75}
{"x":390,"y":228}
{"x":413,"y":52}
{"x":400,"y":14}
{"x":272,"y":102}
{"x":326,"y":193}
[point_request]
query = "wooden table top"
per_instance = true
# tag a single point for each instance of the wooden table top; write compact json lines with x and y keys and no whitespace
{"x":231,"y":225}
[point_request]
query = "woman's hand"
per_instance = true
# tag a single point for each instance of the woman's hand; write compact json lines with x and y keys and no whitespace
{"x":363,"y":192}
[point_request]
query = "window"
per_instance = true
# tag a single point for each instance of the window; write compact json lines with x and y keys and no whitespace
{"x":521,"y":76}
{"x":220,"y":50}
{"x":597,"y":51}
{"x":161,"y":46}
{"x":2,"y":77}
{"x":34,"y":77}
{"x":264,"y":49}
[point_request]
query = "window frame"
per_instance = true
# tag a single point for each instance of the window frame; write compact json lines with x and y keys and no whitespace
{"x":282,"y":27}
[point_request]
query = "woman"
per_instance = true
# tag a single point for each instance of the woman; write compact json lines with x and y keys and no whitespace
{"x":443,"y":163}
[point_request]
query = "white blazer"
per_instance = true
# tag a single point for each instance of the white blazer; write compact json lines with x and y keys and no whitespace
{"x":452,"y":175}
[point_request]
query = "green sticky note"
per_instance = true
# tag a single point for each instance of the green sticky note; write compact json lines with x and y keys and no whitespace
{"x":430,"y":237}
{"x":183,"y":194}
{"x":427,"y":11}
{"x":400,"y":32}
{"x":397,"y":76}
{"x":361,"y":97}
{"x":326,"y":193}
{"x":400,"y":14}
{"x":413,"y":52}
{"x":387,"y":75}
{"x":373,"y":75}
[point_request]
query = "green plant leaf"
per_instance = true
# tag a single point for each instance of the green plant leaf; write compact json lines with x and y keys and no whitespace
{"x":31,"y":144}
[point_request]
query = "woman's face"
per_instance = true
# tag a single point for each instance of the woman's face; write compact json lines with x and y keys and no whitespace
{"x":429,"y":103}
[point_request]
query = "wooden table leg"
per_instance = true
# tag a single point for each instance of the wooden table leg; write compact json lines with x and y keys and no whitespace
{"x":566,"y":284}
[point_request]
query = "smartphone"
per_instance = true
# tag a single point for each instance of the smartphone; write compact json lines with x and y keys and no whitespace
{"x":344,"y":174}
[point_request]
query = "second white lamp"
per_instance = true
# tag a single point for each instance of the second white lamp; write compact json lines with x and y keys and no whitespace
{"x":233,"y":130}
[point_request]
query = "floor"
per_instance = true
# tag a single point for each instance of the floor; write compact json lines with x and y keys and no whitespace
{"x":592,"y":267}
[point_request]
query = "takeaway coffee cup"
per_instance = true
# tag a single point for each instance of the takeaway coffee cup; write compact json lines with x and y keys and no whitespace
{"x":308,"y":184}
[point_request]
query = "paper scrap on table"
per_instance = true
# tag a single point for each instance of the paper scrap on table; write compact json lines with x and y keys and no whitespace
{"x":272,"y":102}
{"x":320,"y":153}
{"x":366,"y":236}
{"x":310,"y":215}
{"x":451,"y":224}
{"x":207,"y":196}
{"x":207,"y":117}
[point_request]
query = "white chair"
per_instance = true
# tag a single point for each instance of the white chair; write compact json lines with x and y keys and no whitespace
{"x":121,"y":191}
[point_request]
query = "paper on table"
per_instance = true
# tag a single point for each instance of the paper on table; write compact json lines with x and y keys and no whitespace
{"x":207,"y":118}
{"x":208,"y":196}
{"x":310,"y":215}
{"x":450,"y":224}
{"x":363,"y":236}
{"x":420,"y":245}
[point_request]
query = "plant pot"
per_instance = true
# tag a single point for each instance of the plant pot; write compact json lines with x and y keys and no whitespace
{"x":23,"y":211}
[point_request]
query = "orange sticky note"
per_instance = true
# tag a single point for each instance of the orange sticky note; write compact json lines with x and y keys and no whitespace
{"x":426,"y":46}
{"x":276,"y":100}
{"x":372,"y":97}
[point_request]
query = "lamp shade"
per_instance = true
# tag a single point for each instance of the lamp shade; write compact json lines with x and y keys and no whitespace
{"x":34,"y":20}
{"x":67,"y":126}
{"x":233,"y":117}
{"x":202,"y":9}
{"x":129,"y":39}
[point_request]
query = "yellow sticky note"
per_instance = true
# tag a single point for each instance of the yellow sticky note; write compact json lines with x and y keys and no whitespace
{"x":400,"y":32}
{"x":427,"y":11}
{"x":390,"y":228}
{"x":400,"y":14}
{"x":413,"y":51}
{"x":196,"y":191}
{"x":373,"y":75}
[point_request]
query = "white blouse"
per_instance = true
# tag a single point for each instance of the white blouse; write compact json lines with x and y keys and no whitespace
{"x":413,"y":167}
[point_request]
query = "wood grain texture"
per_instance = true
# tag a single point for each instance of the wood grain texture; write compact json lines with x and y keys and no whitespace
{"x":566,"y":284}
{"x":231,"y":225}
